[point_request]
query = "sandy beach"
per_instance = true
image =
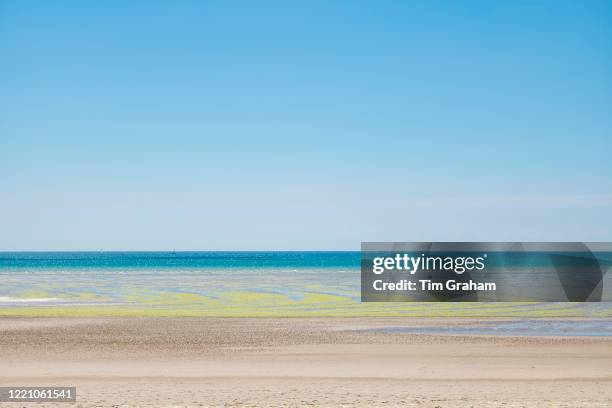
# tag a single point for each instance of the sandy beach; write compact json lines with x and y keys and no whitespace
{"x":169,"y":362}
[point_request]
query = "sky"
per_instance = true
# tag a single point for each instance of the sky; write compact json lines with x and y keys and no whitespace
{"x":307,"y":125}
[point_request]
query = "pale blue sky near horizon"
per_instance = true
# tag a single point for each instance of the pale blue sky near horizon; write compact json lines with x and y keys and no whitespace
{"x":221,"y":125}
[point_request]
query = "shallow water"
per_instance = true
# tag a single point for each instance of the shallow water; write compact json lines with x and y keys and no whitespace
{"x":528,"y":327}
{"x":220,"y":284}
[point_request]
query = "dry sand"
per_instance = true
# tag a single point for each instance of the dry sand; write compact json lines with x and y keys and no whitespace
{"x":170,"y":362}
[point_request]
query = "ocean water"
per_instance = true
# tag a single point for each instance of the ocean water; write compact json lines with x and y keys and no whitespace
{"x":217,"y":284}
{"x":179,"y":260}
{"x":524,"y":327}
{"x":204,"y":280}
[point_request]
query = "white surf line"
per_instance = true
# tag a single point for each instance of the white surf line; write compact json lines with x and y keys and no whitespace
{"x":13,"y":300}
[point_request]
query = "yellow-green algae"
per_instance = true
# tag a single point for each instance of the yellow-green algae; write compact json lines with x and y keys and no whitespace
{"x":244,"y":304}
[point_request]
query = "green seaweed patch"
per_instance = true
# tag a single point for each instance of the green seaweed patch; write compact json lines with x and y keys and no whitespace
{"x":316,"y":305}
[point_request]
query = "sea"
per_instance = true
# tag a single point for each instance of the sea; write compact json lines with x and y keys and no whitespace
{"x":220,"y":283}
{"x":105,"y":278}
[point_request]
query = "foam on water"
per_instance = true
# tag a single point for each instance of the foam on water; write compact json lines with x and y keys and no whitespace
{"x":6,"y":299}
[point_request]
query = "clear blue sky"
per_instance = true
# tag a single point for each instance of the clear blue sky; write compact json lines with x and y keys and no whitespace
{"x":303,"y":125}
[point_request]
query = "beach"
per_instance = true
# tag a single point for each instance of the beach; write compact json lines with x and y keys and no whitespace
{"x":305,"y":204}
{"x":184,"y":361}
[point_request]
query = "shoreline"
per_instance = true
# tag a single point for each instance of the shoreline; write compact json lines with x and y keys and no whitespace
{"x":316,"y":307}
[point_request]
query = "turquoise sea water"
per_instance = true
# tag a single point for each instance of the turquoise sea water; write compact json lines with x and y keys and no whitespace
{"x":216,"y":284}
{"x":214,"y":278}
{"x":174,"y":260}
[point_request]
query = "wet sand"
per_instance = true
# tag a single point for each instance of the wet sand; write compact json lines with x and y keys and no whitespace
{"x":140,"y":362}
